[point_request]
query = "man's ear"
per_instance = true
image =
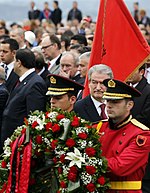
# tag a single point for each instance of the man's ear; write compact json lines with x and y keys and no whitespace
{"x":73,"y":99}
{"x":142,"y":72}
{"x":130,"y":104}
{"x":14,"y":52}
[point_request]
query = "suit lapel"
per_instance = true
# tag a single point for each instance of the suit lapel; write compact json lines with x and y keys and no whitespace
{"x":91,"y":109}
{"x":141,"y":85}
{"x":20,"y":86}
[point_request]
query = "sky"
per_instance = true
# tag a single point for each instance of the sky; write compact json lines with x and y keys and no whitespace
{"x":16,"y":10}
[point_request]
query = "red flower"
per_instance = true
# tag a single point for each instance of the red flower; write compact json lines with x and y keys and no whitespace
{"x":90,"y":170}
{"x":47,"y":150}
{"x":63,"y":184}
{"x":90,"y":187}
{"x":55,"y":128}
{"x":72,"y":177}
{"x":55,"y":160}
{"x":60,"y":116}
{"x":54,"y":144}
{"x":3,"y":164}
{"x":39,"y":139}
{"x":82,"y":135}
{"x":38,"y":153}
{"x":101,"y":180}
{"x":62,"y":158}
{"x":70,"y":142}
{"x":46,"y":115}
{"x":90,"y":151}
{"x":60,"y":170}
{"x":23,"y":130}
{"x":34,"y":124}
{"x":48,"y":126}
{"x":75,"y":122}
{"x":73,"y":169}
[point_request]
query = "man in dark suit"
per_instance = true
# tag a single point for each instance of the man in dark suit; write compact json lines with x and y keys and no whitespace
{"x":41,"y":67}
{"x":56,"y":14}
{"x":3,"y":93}
{"x":34,"y":13}
{"x":51,"y":47}
{"x":91,"y":107}
{"x":28,"y":96}
{"x":141,"y":111}
{"x":8,"y":49}
{"x":69,"y":63}
{"x":74,"y":13}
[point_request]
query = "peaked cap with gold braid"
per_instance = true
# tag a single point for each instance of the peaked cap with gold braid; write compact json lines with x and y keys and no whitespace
{"x":119,"y":90}
{"x":60,"y":85}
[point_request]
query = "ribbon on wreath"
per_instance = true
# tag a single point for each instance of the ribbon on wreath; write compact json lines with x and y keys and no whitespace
{"x":19,"y":174}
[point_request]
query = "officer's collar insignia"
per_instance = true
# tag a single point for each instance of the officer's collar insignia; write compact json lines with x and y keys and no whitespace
{"x":111,"y":84}
{"x":52,"y":80}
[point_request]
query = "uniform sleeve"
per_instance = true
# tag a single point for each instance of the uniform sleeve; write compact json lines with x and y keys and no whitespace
{"x":134,"y":156}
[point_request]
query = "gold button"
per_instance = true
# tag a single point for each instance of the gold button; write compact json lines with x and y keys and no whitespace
{"x":120,"y":142}
{"x":123,"y":133}
{"x":117,"y":152}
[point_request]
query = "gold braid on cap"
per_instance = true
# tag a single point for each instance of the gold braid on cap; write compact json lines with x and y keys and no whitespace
{"x":55,"y":93}
{"x":61,"y":89}
{"x":117,"y":95}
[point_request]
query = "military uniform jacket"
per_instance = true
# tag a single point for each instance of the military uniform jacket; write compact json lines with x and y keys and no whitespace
{"x":126,"y":147}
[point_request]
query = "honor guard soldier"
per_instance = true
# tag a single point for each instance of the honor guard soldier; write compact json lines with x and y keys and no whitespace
{"x":125,"y":141}
{"x":63,"y":92}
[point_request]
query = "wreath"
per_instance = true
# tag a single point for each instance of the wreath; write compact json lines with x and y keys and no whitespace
{"x":54,"y":152}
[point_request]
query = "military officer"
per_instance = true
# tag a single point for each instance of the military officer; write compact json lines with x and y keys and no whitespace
{"x":63,"y":92}
{"x":125,"y":141}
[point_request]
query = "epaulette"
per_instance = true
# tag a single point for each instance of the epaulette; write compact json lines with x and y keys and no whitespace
{"x":138,"y":124}
{"x":104,"y":120}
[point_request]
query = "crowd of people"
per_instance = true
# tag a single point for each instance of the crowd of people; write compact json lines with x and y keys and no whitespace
{"x":45,"y":61}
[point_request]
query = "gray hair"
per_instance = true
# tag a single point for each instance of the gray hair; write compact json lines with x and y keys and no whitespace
{"x":74,"y":55}
{"x":2,"y":73}
{"x":100,"y":68}
{"x":85,"y":55}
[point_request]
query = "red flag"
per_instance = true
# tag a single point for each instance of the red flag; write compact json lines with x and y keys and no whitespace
{"x":118,"y":41}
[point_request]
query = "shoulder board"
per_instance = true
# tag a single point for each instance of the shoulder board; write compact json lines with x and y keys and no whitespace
{"x":104,"y":120}
{"x":138,"y":124}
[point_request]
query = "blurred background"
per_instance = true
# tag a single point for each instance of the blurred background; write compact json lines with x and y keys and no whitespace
{"x":16,"y":10}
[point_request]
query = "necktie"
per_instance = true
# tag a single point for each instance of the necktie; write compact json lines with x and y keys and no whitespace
{"x":103,"y":114}
{"x":49,"y":64}
{"x":6,"y":69}
{"x":17,"y":84}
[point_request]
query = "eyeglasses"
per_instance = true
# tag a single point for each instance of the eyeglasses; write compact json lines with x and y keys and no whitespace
{"x":47,"y":46}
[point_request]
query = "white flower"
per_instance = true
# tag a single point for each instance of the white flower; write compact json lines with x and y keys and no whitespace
{"x":7,"y":152}
{"x":52,"y":115}
{"x":41,"y":123}
{"x":7,"y":142}
{"x":76,"y":158}
{"x":81,"y":130}
{"x":47,"y":141}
